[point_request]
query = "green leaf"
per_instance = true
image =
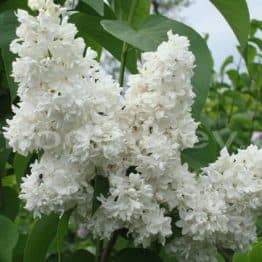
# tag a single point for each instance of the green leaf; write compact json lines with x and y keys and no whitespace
{"x":94,"y":46}
{"x":220,"y":258}
{"x":152,"y":32}
{"x":9,"y":202}
{"x":8,"y":24}
{"x":241,"y":120}
{"x":237,"y":15}
{"x":20,"y":166}
{"x":80,"y":256}
{"x":8,"y":59}
{"x":4,"y":154}
{"x":97,"y":5}
{"x":229,"y":60}
{"x":13,"y":5}
{"x":41,"y":236}
{"x":238,"y":257}
{"x":101,"y":187}
{"x":138,"y":255}
{"x":251,"y":54}
{"x":9,"y":180}
{"x":255,"y":26}
{"x":5,"y":111}
{"x":4,"y":151}
{"x":89,"y":27}
{"x":204,"y":152}
{"x":62,"y":228}
{"x":255,"y":254}
{"x":256,"y":41}
{"x":83,"y":7}
{"x":141,"y":10}
{"x":8,"y":239}
{"x":18,"y":252}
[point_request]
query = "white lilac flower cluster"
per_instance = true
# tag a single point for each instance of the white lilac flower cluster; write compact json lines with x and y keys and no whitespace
{"x":220,"y":207}
{"x":68,"y":109}
{"x":75,"y":114}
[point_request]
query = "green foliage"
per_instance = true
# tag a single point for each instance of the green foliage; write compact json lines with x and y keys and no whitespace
{"x":97,"y":5}
{"x":8,"y":58}
{"x":20,"y":166}
{"x":101,"y":188}
{"x":62,"y":229}
{"x":12,"y":5}
{"x":4,"y":152}
{"x":94,"y":30}
{"x":204,"y":152}
{"x":9,"y":203}
{"x":18,"y":251}
{"x":138,"y":255}
{"x":8,"y":24}
{"x":233,"y":110}
{"x":8,"y":239}
{"x":122,"y":10}
{"x":79,"y":256}
{"x":254,"y":255}
{"x":43,"y":232}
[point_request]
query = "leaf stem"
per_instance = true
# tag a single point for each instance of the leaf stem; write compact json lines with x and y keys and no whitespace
{"x":125,"y":45}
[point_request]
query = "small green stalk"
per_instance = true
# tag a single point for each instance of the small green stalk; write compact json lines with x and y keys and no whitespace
{"x":123,"y":64}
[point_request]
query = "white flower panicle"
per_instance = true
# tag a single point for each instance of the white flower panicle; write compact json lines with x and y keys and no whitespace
{"x":222,"y":207}
{"x":157,"y":114}
{"x":68,"y":108}
{"x":75,"y":114}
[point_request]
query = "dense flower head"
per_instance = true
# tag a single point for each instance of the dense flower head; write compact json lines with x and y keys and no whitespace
{"x":132,"y":205}
{"x":61,"y":87}
{"x":76,"y":115}
{"x":223,"y":205}
{"x":55,"y":185}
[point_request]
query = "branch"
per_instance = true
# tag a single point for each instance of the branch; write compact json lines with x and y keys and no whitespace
{"x":109,"y":247}
{"x":99,"y":247}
